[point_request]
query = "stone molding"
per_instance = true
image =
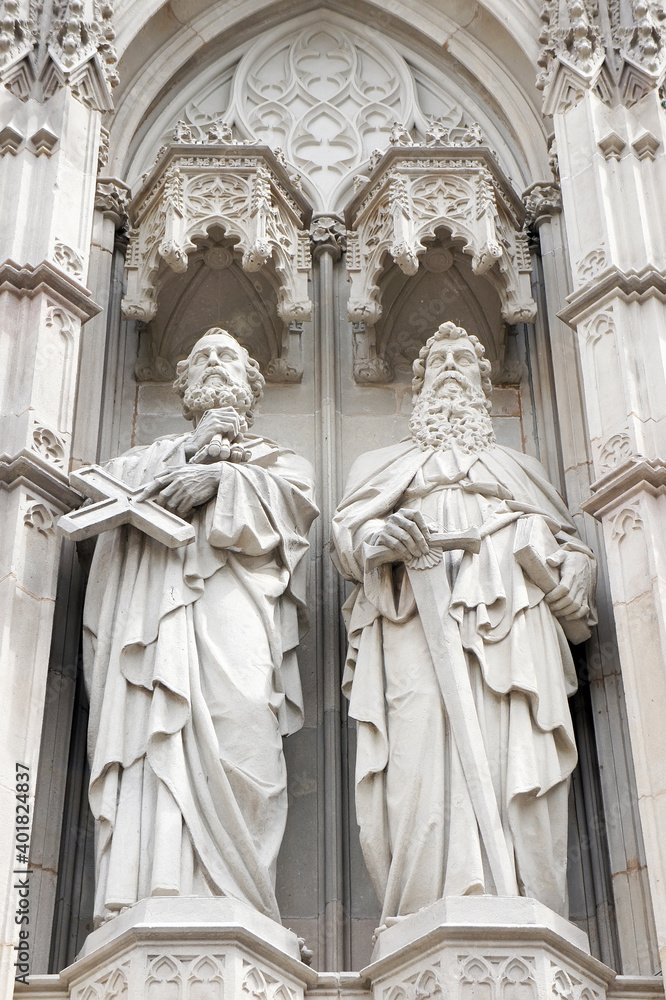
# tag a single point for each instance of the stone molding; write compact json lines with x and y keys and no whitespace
{"x":240,"y":187}
{"x":18,"y":22}
{"x":616,"y":49}
{"x":80,"y":53}
{"x":48,"y":277}
{"x":76,"y":51}
{"x":611,"y":280}
{"x":30,"y":470}
{"x":623,"y":481}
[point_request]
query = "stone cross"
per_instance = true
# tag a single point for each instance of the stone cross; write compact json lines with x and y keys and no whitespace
{"x":116,"y":504}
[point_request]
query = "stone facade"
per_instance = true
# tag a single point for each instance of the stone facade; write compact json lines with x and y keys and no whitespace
{"x":331,"y":182}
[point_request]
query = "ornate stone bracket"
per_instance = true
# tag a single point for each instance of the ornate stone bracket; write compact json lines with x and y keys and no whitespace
{"x":241,"y":188}
{"x":412,"y":192}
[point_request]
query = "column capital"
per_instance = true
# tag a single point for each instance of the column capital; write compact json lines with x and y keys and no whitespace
{"x":542,"y":200}
{"x":328,"y":235}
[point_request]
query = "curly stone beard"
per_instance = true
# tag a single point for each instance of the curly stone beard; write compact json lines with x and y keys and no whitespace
{"x":452,"y":411}
{"x":201,"y":397}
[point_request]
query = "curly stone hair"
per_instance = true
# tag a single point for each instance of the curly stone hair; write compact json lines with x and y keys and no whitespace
{"x":449,"y":331}
{"x":255,"y":379}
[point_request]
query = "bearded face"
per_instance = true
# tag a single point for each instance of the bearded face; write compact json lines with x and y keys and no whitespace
{"x":451,"y":407}
{"x":217,"y":388}
{"x":218,"y":374}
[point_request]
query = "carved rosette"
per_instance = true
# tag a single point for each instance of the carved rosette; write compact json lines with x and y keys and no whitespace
{"x":413,"y":192}
{"x":243,"y":189}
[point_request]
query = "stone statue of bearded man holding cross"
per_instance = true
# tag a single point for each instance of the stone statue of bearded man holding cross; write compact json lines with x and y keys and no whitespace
{"x":190,"y":652}
{"x":469,"y":578}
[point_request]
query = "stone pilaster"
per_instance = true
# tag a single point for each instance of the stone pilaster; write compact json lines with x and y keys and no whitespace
{"x":53,"y":90}
{"x":603,"y":65}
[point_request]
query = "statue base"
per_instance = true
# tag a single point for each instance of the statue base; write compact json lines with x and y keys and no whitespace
{"x":485,"y":948}
{"x":186,"y":948}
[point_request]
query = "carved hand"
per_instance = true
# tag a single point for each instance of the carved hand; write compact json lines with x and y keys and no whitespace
{"x":224,"y":421}
{"x":181,"y":490}
{"x":571,"y":598}
{"x":403,"y":537}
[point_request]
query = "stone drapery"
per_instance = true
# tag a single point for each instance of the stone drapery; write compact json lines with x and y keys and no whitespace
{"x":418,"y":829}
{"x":190,"y":665}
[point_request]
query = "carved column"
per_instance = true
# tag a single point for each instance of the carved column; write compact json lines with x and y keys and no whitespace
{"x":603,"y":66}
{"x":328,"y":241}
{"x":53,"y":90}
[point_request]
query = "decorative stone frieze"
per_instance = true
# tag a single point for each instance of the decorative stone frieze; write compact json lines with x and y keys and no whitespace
{"x":617,"y":50}
{"x":453,"y":184}
{"x":80,"y":52}
{"x":244,"y":190}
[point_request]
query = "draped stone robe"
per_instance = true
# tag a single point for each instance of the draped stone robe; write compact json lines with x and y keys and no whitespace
{"x":418,"y":829}
{"x":191,"y":670}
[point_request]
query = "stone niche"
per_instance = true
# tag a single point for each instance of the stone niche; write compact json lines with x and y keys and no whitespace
{"x":436,"y":232}
{"x":218,"y":238}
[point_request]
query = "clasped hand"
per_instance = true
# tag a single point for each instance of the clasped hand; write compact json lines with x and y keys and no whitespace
{"x":570,"y":599}
{"x":224,"y":422}
{"x":403,"y":537}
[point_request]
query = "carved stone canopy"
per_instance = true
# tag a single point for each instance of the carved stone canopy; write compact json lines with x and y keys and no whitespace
{"x":413,"y":196}
{"x":242,"y":189}
{"x":216,"y":291}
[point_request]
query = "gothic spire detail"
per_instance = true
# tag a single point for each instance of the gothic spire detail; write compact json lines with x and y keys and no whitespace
{"x":615,"y":48}
{"x":80,"y":52}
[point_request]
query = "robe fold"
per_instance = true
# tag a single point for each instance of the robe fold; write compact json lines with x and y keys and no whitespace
{"x":418,"y":829}
{"x":191,"y":671}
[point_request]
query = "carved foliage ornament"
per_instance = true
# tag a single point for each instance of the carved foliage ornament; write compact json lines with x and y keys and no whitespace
{"x":243,"y":191}
{"x":18,"y":39}
{"x":620,"y":58}
{"x":80,"y":52}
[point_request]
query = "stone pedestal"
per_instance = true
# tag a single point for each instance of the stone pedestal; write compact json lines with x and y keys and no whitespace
{"x":485,"y":948}
{"x":183,"y":948}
